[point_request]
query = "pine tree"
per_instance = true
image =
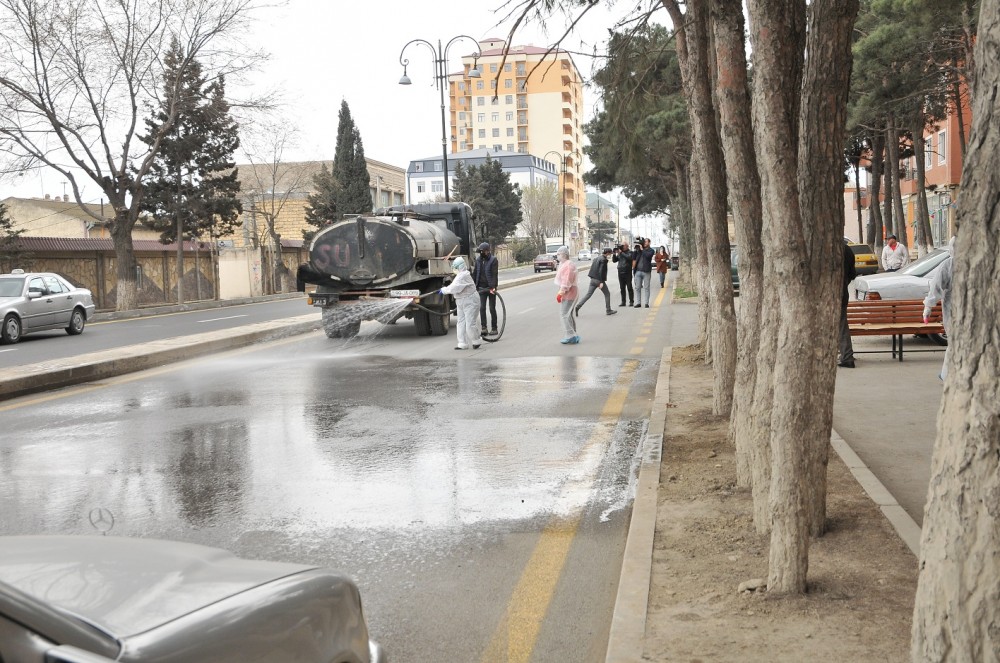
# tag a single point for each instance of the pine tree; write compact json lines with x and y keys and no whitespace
{"x":194,"y":177}
{"x":494,"y":199}
{"x":322,"y":205}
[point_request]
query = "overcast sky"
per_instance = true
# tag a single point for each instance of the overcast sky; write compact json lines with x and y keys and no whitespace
{"x":323,"y":51}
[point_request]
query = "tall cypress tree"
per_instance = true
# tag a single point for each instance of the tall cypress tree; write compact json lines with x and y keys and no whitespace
{"x":350,"y":170}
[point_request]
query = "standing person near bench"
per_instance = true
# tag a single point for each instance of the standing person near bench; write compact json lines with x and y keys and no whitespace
{"x":846,"y":346}
{"x":940,"y":291}
{"x":599,"y":281}
{"x":894,"y":255}
{"x":486,"y":277}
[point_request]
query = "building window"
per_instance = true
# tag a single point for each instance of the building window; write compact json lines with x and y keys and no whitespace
{"x":523,"y":149}
{"x":509,"y":99}
{"x":520,"y":69}
{"x":437,"y":187}
{"x":461,"y":101}
{"x":437,"y":166}
{"x":493,"y":67}
{"x":942,"y":146}
{"x":496,"y":132}
{"x":482,"y":147}
{"x":506,"y":66}
{"x":461,"y":85}
{"x":497,"y":147}
{"x":495,"y":117}
{"x":480,"y":101}
{"x":418,"y":166}
{"x":482,"y":133}
{"x":461,"y":145}
{"x":493,"y":84}
{"x":522,"y":118}
{"x":461,"y":115}
{"x":495,"y":101}
{"x":479,"y":85}
{"x":524,"y":85}
{"x":510,"y":147}
{"x":480,"y":117}
{"x":510,"y":131}
{"x":509,"y":116}
{"x":508,"y":83}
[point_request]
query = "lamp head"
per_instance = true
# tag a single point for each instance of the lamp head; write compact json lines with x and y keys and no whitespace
{"x":405,"y":80}
{"x":474,"y":72}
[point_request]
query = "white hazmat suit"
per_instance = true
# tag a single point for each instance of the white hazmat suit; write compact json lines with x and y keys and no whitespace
{"x":463,"y":289}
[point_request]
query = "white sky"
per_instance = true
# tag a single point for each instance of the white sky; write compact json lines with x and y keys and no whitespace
{"x":323,"y":51}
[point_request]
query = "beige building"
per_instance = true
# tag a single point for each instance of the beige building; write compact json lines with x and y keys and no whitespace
{"x":526,"y":100}
{"x":61,"y":216}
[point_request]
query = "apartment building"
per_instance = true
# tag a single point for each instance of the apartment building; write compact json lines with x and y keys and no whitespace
{"x":425,"y":177}
{"x":527,"y":100}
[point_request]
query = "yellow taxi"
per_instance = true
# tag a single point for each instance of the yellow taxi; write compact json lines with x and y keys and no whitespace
{"x":865,"y":260}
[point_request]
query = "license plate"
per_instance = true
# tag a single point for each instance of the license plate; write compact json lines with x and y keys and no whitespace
{"x":317,"y":300}
{"x":404,"y":293}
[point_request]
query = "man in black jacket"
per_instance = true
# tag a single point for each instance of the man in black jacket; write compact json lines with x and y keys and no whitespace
{"x":599,"y":280}
{"x":846,"y":347}
{"x":486,"y":277}
{"x":623,"y":257}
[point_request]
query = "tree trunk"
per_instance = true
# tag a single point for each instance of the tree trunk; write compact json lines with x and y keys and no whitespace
{"x":956,"y":615}
{"x":888,"y":219}
{"x":922,"y":230}
{"x":857,"y":200}
{"x":875,"y":224}
{"x":696,"y":80}
{"x":126,"y":298}
{"x":897,"y":196}
{"x":956,"y":92}
{"x":701,"y":261}
{"x":733,"y":98}
{"x":800,"y":157}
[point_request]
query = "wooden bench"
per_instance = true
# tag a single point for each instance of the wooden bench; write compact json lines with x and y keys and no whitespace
{"x":895,"y":318}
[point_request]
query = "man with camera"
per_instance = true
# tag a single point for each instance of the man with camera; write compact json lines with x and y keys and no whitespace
{"x":623,"y":257}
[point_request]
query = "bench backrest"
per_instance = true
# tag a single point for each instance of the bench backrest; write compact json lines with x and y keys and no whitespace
{"x":890,"y":311}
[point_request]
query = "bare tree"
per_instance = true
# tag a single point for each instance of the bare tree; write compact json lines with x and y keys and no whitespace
{"x":956,"y":615}
{"x":542,"y":212}
{"x":271,"y":184}
{"x":78,"y":78}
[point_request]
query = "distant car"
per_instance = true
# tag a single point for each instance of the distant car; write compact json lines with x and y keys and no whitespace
{"x":40,"y":301}
{"x":733,"y":268}
{"x":584,"y":254}
{"x":675,"y":261}
{"x":87,"y":599}
{"x":545,"y":261}
{"x":865,"y":260}
{"x":911,"y":282}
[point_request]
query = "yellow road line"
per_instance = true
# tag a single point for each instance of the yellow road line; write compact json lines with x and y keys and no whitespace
{"x":515,"y":636}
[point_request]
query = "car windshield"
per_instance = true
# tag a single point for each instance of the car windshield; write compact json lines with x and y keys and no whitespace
{"x":11,"y":287}
{"x":861,"y":249}
{"x":924,"y":266}
{"x":543,"y":257}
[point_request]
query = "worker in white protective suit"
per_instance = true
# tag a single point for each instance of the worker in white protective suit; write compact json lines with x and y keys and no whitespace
{"x":463,"y":289}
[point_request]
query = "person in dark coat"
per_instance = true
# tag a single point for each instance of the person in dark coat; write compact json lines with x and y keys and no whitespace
{"x":846,"y":347}
{"x":623,"y":257}
{"x":599,"y":281}
{"x":486,"y":277}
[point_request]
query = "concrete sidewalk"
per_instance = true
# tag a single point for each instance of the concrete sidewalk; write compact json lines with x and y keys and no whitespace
{"x":628,"y":629}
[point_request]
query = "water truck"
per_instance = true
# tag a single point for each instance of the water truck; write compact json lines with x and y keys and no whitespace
{"x":388,"y":265}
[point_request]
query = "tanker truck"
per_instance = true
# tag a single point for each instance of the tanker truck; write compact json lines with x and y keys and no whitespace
{"x":388,"y":265}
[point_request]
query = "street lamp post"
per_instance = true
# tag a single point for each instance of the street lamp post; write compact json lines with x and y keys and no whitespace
{"x":440,"y":55}
{"x":562,"y":188}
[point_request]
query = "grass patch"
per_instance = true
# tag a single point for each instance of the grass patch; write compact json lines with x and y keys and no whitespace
{"x":683,"y":292}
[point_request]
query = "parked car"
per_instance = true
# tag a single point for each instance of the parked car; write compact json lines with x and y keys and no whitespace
{"x":911,"y":282}
{"x":865,"y":260}
{"x":545,"y":261}
{"x":675,"y":261}
{"x":86,"y":599}
{"x":40,"y":301}
{"x":584,"y":254}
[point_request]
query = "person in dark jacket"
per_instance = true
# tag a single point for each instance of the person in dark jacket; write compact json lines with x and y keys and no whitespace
{"x":486,"y":277}
{"x":599,"y":281}
{"x":643,"y":258}
{"x":846,"y":347}
{"x":623,"y":257}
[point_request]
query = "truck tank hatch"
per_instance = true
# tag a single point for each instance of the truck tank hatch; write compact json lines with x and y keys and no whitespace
{"x":363,"y":253}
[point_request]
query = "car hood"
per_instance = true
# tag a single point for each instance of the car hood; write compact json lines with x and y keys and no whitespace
{"x":127,"y":586}
{"x":891,"y":282}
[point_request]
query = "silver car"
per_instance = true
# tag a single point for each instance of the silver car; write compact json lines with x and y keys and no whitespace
{"x":88,"y":599}
{"x":911,"y":282}
{"x":40,"y":301}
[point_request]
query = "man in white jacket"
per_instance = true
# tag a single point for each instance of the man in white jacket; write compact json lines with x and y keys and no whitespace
{"x":463,"y":289}
{"x":940,"y":291}
{"x":894,"y":255}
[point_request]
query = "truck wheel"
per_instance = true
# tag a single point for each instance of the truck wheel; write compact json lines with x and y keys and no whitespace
{"x":439,"y":324}
{"x":423,"y":322}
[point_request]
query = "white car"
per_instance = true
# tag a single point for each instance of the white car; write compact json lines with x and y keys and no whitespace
{"x":584,"y":254}
{"x":41,"y":301}
{"x":911,"y":282}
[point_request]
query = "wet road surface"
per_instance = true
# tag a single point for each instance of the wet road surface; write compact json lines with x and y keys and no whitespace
{"x":481,"y":500}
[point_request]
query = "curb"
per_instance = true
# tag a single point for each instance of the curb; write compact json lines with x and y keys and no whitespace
{"x":23,"y":380}
{"x":905,"y":526}
{"x":201,"y":305}
{"x":628,"y":622}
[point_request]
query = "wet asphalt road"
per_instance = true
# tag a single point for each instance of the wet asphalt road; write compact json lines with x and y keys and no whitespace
{"x":480,"y":498}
